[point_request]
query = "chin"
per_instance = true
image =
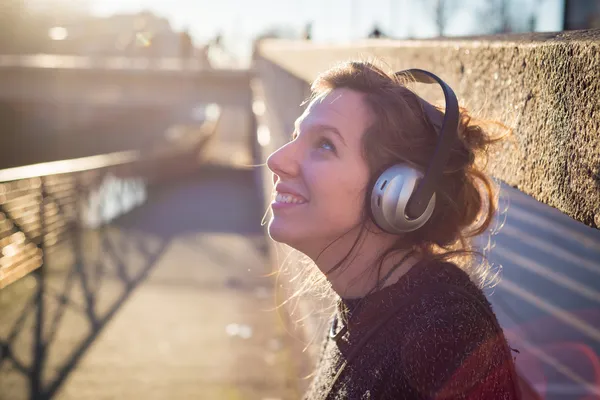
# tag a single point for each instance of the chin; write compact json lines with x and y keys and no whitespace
{"x":282,"y":234}
{"x":278,"y":233}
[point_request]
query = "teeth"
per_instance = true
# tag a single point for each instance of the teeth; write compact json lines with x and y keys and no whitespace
{"x":288,"y":198}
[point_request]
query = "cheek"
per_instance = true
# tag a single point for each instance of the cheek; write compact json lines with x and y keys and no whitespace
{"x":339,"y":197}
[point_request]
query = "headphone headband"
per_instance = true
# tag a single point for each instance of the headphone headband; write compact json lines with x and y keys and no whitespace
{"x":425,"y":190}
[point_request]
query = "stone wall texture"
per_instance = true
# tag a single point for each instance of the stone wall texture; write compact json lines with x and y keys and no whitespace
{"x":546,"y":87}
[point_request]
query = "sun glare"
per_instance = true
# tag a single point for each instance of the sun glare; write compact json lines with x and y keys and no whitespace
{"x":58,"y":33}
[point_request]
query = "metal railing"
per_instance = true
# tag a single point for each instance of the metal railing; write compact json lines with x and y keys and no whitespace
{"x":41,"y":205}
{"x":55,"y":237}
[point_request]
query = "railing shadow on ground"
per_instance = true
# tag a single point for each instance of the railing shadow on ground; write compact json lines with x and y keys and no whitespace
{"x":68,"y":271}
{"x":89,"y":281}
{"x":66,"y":285}
{"x":114,"y":259}
{"x":82,"y":280}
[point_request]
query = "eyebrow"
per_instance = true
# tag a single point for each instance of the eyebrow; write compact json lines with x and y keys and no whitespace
{"x":322,"y":127}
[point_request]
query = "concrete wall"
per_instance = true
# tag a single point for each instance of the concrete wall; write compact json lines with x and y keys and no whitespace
{"x":545,"y":86}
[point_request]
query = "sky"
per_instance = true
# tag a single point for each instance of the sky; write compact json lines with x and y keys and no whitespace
{"x":333,"y":20}
{"x":239,"y":21}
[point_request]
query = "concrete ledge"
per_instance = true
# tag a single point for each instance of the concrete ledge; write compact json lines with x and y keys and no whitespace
{"x":545,"y":86}
{"x":124,"y":86}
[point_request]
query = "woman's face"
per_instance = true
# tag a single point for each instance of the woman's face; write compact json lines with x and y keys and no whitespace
{"x":320,"y":176}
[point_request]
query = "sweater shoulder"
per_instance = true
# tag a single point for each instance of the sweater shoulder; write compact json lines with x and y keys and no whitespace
{"x":450,"y":342}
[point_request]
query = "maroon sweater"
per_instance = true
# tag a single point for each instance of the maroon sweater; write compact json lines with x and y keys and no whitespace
{"x":440,"y":346}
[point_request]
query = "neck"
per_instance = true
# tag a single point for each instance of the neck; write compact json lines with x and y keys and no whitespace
{"x":357,"y":276}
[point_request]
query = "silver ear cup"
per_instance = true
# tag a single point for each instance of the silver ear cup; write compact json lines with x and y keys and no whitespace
{"x":390,"y":196}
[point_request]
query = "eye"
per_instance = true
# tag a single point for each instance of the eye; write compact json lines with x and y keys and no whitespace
{"x":326,"y":144}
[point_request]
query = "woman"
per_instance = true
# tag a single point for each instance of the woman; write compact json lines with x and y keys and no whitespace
{"x":410,"y":322}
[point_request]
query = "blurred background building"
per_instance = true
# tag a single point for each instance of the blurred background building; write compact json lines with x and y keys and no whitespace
{"x":43,"y":27}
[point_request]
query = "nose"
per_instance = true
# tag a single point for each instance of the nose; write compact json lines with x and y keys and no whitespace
{"x":283,"y":163}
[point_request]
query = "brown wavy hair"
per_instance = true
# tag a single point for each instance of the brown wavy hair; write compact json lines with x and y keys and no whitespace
{"x":405,"y":130}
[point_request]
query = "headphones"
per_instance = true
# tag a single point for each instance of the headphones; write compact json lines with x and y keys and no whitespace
{"x":403,"y":198}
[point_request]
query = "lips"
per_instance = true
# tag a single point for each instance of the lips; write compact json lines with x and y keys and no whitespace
{"x":287,"y":197}
{"x":285,"y":191}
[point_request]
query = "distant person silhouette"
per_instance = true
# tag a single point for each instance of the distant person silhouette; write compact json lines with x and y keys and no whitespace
{"x":307,"y":34}
{"x":376,"y":33}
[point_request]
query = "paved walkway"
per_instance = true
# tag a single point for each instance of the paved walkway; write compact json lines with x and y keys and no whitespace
{"x":172,"y":302}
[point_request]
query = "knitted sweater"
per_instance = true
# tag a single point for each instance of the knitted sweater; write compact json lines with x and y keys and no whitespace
{"x":441,"y":346}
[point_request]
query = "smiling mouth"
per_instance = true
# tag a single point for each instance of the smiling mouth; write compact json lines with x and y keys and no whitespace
{"x":286,"y":198}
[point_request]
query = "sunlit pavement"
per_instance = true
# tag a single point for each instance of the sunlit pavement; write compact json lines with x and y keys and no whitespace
{"x":174,"y":304}
{"x":202,"y":324}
